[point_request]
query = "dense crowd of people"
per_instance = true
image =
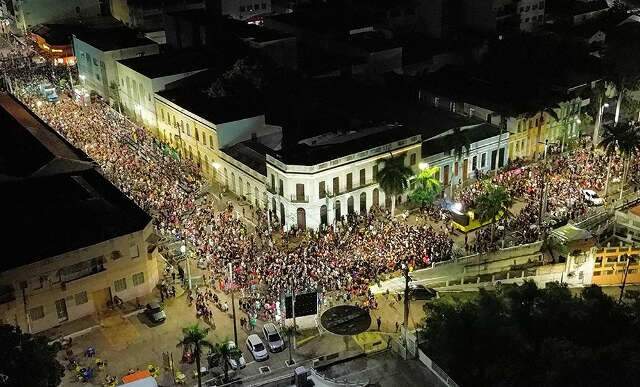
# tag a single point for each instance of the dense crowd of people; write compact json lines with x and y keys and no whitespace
{"x":345,"y":257}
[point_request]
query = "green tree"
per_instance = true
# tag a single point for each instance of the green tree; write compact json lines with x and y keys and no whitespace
{"x":27,"y":360}
{"x":224,"y":351}
{"x":394,"y":178}
{"x":494,"y":201}
{"x":526,"y":336}
{"x":194,"y":338}
{"x":428,"y":187}
{"x":625,"y":138}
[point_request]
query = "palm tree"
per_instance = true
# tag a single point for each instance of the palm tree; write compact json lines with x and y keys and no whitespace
{"x":462,"y":145}
{"x":626,"y":138}
{"x":428,"y":186}
{"x":289,"y":331}
{"x":394,"y":178}
{"x":193,"y":336}
{"x":226,"y":350}
{"x":494,"y":201}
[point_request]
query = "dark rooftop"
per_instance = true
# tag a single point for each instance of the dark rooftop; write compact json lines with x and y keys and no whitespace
{"x":250,"y":153}
{"x":218,"y":110}
{"x":168,"y":63}
{"x":457,"y":138}
{"x":57,"y":34}
{"x":110,"y":39}
{"x":24,"y":134}
{"x":303,"y":154}
{"x":69,"y":207}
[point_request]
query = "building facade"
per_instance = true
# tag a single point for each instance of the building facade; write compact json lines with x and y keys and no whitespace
{"x":78,"y":283}
{"x":460,"y":155}
{"x":310,"y":195}
{"x":139,"y":80}
{"x":96,"y":56}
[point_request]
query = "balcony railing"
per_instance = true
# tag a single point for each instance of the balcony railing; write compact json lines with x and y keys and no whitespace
{"x":299,"y":199}
{"x":85,"y":272}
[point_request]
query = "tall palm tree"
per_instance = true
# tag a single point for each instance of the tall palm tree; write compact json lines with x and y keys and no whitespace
{"x":224,"y":351}
{"x":194,"y":337}
{"x":491,"y":203}
{"x":625,"y":138}
{"x":394,"y":178}
{"x":289,"y":331}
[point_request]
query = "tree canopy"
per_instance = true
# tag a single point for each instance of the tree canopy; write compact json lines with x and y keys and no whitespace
{"x":527,"y":336}
{"x":27,"y":360}
{"x":428,"y":187}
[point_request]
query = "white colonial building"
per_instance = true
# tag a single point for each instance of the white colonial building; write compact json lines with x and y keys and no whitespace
{"x":333,"y":175}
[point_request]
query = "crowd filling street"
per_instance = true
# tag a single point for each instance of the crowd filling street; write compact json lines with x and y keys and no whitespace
{"x":344,"y":258}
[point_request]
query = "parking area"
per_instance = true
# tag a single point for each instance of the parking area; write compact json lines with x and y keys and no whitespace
{"x":135,"y":342}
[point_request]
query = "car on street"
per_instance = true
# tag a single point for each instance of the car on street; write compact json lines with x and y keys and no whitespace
{"x":420,"y":292}
{"x":272,"y":337}
{"x":155,"y":313}
{"x":591,"y":197}
{"x":235,"y":362}
{"x":256,"y":347}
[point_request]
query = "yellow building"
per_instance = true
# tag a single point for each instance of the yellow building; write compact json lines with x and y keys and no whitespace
{"x":611,"y":262}
{"x":198,"y":127}
{"x":528,"y":132}
{"x":74,"y":242}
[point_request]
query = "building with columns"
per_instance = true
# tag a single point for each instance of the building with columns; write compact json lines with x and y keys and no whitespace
{"x":332,"y":175}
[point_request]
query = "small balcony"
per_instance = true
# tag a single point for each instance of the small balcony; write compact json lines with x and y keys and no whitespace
{"x":299,"y":199}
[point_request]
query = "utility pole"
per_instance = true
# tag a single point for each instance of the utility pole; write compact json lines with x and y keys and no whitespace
{"x":624,"y":279}
{"x":293,"y":311}
{"x":233,"y":305}
{"x":405,"y":272}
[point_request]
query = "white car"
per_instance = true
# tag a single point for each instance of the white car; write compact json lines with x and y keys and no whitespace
{"x":256,"y":347}
{"x":592,"y":197}
{"x":238,"y":362}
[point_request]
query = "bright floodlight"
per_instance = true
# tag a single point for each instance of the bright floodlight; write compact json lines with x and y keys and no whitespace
{"x":606,"y":105}
{"x":183,"y":249}
{"x":457,"y":206}
{"x":423,"y":165}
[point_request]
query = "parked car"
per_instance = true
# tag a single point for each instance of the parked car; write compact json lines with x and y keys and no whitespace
{"x":257,"y":349}
{"x":272,"y":337}
{"x":155,"y":312}
{"x":420,"y":292}
{"x":237,"y":362}
{"x":592,"y":197}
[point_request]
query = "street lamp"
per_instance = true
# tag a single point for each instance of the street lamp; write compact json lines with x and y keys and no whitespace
{"x":596,"y":130}
{"x":423,"y":166}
